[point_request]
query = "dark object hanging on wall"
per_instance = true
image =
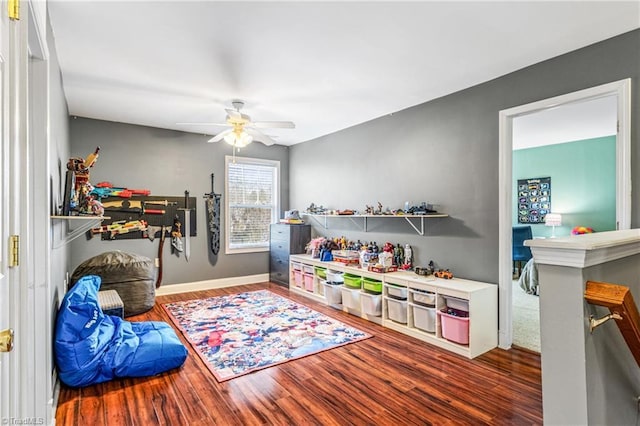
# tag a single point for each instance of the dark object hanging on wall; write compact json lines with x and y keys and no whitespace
{"x":534,"y":199}
{"x":156,"y":211}
{"x":213,"y":211}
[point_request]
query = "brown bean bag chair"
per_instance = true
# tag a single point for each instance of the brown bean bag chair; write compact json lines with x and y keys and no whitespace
{"x":131,"y":275}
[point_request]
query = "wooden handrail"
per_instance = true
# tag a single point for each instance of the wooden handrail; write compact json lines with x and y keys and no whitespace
{"x":619,"y":300}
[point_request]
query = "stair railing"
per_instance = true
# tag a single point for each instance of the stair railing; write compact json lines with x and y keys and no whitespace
{"x":623,"y":310}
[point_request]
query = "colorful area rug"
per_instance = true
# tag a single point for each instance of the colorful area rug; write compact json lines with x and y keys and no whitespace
{"x":246,"y":332}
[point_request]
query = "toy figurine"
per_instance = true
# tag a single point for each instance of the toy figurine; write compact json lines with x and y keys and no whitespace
{"x":385,"y":259}
{"x":343,"y":243}
{"x":407,"y":257}
{"x":398,"y":255}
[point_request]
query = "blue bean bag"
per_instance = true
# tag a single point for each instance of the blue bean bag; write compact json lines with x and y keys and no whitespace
{"x":91,"y":347}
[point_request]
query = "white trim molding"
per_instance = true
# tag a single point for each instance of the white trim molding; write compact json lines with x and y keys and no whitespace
{"x":211,"y":284}
{"x":582,"y":251}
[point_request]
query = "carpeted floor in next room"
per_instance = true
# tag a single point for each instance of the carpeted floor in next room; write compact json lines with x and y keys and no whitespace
{"x":526,"y":319}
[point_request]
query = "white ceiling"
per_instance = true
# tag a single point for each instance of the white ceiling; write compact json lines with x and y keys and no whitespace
{"x":324,"y":65}
{"x":567,"y":123}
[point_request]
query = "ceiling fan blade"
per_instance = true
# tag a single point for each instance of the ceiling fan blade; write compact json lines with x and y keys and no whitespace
{"x":259,"y":136}
{"x":274,"y":124}
{"x":233,"y":113}
{"x":202,"y":124}
{"x":220,"y":136}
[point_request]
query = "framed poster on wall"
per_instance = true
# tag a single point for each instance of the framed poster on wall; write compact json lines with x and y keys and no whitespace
{"x":534,"y":199}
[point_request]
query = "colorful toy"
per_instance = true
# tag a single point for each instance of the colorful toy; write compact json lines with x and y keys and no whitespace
{"x":579,"y":230}
{"x":443,"y":273}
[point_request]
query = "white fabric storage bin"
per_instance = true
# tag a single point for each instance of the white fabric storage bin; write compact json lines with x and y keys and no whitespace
{"x":423,"y":297}
{"x":457,"y":303}
{"x":307,"y":269}
{"x":350,"y":298}
{"x":371,"y":304}
{"x":397,"y":310}
{"x":332,"y":293}
{"x":424,"y":318}
{"x":397,"y":292}
{"x":334,"y":276}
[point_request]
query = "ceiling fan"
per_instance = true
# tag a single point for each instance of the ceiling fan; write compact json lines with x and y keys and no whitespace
{"x":243,"y":130}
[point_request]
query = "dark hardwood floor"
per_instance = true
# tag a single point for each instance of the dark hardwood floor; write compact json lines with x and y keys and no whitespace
{"x":388,"y":379}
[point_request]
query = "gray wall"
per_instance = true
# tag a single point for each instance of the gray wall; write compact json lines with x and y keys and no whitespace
{"x":55,"y":158}
{"x":168,"y":163}
{"x":58,"y":155}
{"x":446,"y":152}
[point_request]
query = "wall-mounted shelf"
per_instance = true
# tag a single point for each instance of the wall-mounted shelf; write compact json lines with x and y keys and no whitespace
{"x":408,"y":217}
{"x":80,"y":225}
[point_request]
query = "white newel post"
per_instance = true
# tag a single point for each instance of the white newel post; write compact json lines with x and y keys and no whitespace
{"x":587,"y":378}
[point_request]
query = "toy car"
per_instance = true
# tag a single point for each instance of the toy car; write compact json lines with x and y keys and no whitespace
{"x":443,"y":273}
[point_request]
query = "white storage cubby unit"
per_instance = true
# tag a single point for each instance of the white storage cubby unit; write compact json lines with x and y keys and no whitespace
{"x":409,"y":303}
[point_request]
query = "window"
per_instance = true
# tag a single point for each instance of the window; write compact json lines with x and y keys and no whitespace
{"x":252,"y":198}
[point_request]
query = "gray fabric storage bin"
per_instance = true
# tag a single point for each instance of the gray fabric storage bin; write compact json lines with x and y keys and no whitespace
{"x":131,"y":275}
{"x":111,"y":303}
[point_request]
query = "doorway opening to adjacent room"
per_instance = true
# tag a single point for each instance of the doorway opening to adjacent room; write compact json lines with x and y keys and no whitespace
{"x":620,"y":90}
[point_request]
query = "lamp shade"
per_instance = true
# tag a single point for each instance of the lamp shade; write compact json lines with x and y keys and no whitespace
{"x":553,"y":219}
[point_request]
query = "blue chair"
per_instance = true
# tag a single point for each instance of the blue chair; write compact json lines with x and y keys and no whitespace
{"x":520,"y":253}
{"x":91,"y":347}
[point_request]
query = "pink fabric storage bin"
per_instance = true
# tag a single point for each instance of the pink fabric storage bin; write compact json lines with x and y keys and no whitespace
{"x":308,"y":282}
{"x":455,"y":327}
{"x":297,"y":278}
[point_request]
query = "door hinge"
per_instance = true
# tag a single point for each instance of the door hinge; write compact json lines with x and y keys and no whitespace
{"x":14,"y":9}
{"x":6,"y":340}
{"x":14,"y":251}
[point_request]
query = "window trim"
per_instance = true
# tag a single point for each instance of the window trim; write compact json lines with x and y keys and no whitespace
{"x":228,"y":159}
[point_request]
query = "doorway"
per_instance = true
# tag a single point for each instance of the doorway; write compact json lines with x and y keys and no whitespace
{"x":580,"y":134}
{"x":621,"y":91}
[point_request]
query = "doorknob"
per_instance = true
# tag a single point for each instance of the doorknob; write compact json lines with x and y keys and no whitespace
{"x":6,"y":340}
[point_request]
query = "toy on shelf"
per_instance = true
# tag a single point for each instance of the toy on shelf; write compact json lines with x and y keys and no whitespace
{"x":78,"y":196}
{"x":443,"y":273}
{"x":106,"y":189}
{"x":398,"y":255}
{"x":408,"y":258}
{"x":313,"y":209}
{"x":120,"y":227}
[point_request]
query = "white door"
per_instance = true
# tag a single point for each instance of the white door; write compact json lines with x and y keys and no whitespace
{"x":17,"y":383}
{"x":6,"y":359}
{"x":4,"y":291}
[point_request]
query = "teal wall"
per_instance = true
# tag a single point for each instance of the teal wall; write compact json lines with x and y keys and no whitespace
{"x":583,"y":182}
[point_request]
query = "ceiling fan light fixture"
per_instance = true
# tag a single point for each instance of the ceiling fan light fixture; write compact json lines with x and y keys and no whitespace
{"x":237,"y":136}
{"x":239,"y":140}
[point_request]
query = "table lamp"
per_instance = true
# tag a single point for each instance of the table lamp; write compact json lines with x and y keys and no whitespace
{"x":553,"y":219}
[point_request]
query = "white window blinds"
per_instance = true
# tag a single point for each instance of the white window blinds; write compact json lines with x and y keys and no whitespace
{"x":252,"y":203}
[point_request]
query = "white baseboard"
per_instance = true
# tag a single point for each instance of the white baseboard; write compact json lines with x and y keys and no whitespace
{"x":211,"y":284}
